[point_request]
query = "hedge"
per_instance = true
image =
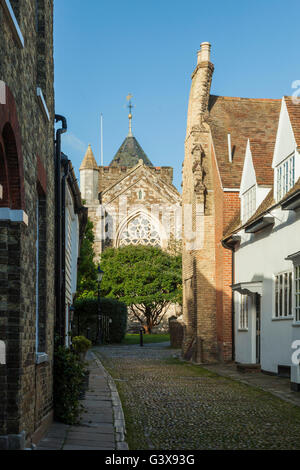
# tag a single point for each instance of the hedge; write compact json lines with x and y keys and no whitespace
{"x":86,"y":316}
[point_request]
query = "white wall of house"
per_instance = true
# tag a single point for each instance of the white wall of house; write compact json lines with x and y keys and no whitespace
{"x":72,"y":253}
{"x":262,"y":256}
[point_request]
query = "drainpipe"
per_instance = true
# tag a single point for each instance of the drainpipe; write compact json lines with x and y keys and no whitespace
{"x":232,"y":306}
{"x":58,"y":228}
{"x":231,"y":248}
{"x":65,"y":164}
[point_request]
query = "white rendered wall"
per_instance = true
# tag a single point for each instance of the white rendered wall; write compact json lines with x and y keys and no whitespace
{"x":261,"y":256}
{"x":72,"y":253}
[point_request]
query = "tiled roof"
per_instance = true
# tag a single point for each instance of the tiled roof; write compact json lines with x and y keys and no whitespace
{"x":294,"y":113}
{"x":243,"y":119}
{"x":234,"y":224}
{"x":292,"y":191}
{"x":262,"y":156}
{"x":129,"y":154}
{"x":89,"y":162}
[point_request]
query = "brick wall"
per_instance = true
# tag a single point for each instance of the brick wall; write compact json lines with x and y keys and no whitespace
{"x":27,"y":386}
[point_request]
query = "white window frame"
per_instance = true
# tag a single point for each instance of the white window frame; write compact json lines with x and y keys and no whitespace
{"x":297,"y":293}
{"x":285,"y":176}
{"x":42,"y":103}
{"x":283,"y":295}
{"x":244,"y":313}
{"x":40,"y":356}
{"x":248,"y":203}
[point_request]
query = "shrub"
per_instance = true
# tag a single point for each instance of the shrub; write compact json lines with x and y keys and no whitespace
{"x":81,"y":344}
{"x":86,"y":316}
{"x":69,"y":376}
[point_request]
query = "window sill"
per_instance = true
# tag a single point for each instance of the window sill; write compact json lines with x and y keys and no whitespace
{"x":243,"y":330}
{"x":13,"y":22}
{"x":41,"y":357}
{"x":296,"y":323}
{"x":283,"y":318}
{"x":12,"y":215}
{"x":42,"y":104}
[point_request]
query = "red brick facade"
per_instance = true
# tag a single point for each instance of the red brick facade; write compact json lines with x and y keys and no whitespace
{"x":11,"y":160}
{"x":218,"y":129}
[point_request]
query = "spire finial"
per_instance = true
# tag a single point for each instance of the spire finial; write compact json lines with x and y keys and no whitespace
{"x":130,"y":106}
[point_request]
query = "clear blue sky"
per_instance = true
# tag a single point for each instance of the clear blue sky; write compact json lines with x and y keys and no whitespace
{"x":104,"y":50}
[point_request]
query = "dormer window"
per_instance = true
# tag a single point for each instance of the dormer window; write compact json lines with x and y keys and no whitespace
{"x":285,"y":175}
{"x":248,"y":203}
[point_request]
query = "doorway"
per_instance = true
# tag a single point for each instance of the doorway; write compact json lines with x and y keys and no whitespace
{"x":257,"y":328}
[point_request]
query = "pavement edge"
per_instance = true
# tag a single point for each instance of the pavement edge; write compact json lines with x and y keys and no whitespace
{"x":119,"y":419}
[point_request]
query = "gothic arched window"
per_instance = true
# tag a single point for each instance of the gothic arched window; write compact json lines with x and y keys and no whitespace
{"x":140,"y":231}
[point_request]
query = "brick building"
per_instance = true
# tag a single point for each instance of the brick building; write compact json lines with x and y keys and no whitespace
{"x":218,"y":129}
{"x":30,"y":234}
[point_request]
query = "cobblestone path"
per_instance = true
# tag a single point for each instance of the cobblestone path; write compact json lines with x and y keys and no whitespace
{"x":171,"y":405}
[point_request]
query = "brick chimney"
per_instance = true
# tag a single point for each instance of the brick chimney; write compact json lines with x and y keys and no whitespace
{"x":200,"y":90}
{"x":204,"y":53}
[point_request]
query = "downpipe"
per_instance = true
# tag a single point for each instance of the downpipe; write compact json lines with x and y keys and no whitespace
{"x":59,"y":325}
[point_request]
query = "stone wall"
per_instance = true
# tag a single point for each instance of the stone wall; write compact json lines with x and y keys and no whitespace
{"x":176,"y":328}
{"x":173,"y":311}
{"x":27,"y":386}
{"x":199,"y":276}
{"x":120,"y":199}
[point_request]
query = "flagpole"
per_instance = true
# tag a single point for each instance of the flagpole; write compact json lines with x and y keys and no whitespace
{"x":101,"y":139}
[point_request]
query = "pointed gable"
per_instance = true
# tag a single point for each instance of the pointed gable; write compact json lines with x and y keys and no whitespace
{"x":248,"y":175}
{"x":89,"y":161}
{"x":133,"y":179}
{"x":285,"y":139}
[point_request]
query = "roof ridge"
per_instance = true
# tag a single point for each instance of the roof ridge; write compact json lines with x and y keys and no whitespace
{"x":240,"y":98}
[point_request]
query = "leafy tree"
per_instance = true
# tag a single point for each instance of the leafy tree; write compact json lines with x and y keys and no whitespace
{"x":145,"y":278}
{"x":87,"y":269}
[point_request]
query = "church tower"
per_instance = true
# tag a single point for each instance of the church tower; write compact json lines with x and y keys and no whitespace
{"x":128,"y":201}
{"x":89,"y":174}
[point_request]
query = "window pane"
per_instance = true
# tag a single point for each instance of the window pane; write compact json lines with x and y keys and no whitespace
{"x":285,"y":294}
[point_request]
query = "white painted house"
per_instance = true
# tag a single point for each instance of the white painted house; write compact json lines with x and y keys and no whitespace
{"x":266,"y":249}
{"x":75,"y":219}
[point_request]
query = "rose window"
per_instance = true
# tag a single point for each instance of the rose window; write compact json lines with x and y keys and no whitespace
{"x":140,"y":231}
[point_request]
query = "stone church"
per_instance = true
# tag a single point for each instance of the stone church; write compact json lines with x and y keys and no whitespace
{"x":131,"y":201}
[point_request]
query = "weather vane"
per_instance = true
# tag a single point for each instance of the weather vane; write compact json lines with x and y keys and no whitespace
{"x":130,"y":106}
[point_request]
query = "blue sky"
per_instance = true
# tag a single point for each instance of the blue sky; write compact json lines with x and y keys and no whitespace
{"x":105,"y":50}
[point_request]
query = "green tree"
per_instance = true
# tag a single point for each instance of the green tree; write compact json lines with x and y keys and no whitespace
{"x":145,"y":278}
{"x":87,"y":269}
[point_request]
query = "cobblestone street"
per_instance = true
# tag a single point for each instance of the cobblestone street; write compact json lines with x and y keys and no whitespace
{"x":171,"y":405}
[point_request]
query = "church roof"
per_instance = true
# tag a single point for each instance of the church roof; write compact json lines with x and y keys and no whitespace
{"x":89,"y":161}
{"x":129,"y":154}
